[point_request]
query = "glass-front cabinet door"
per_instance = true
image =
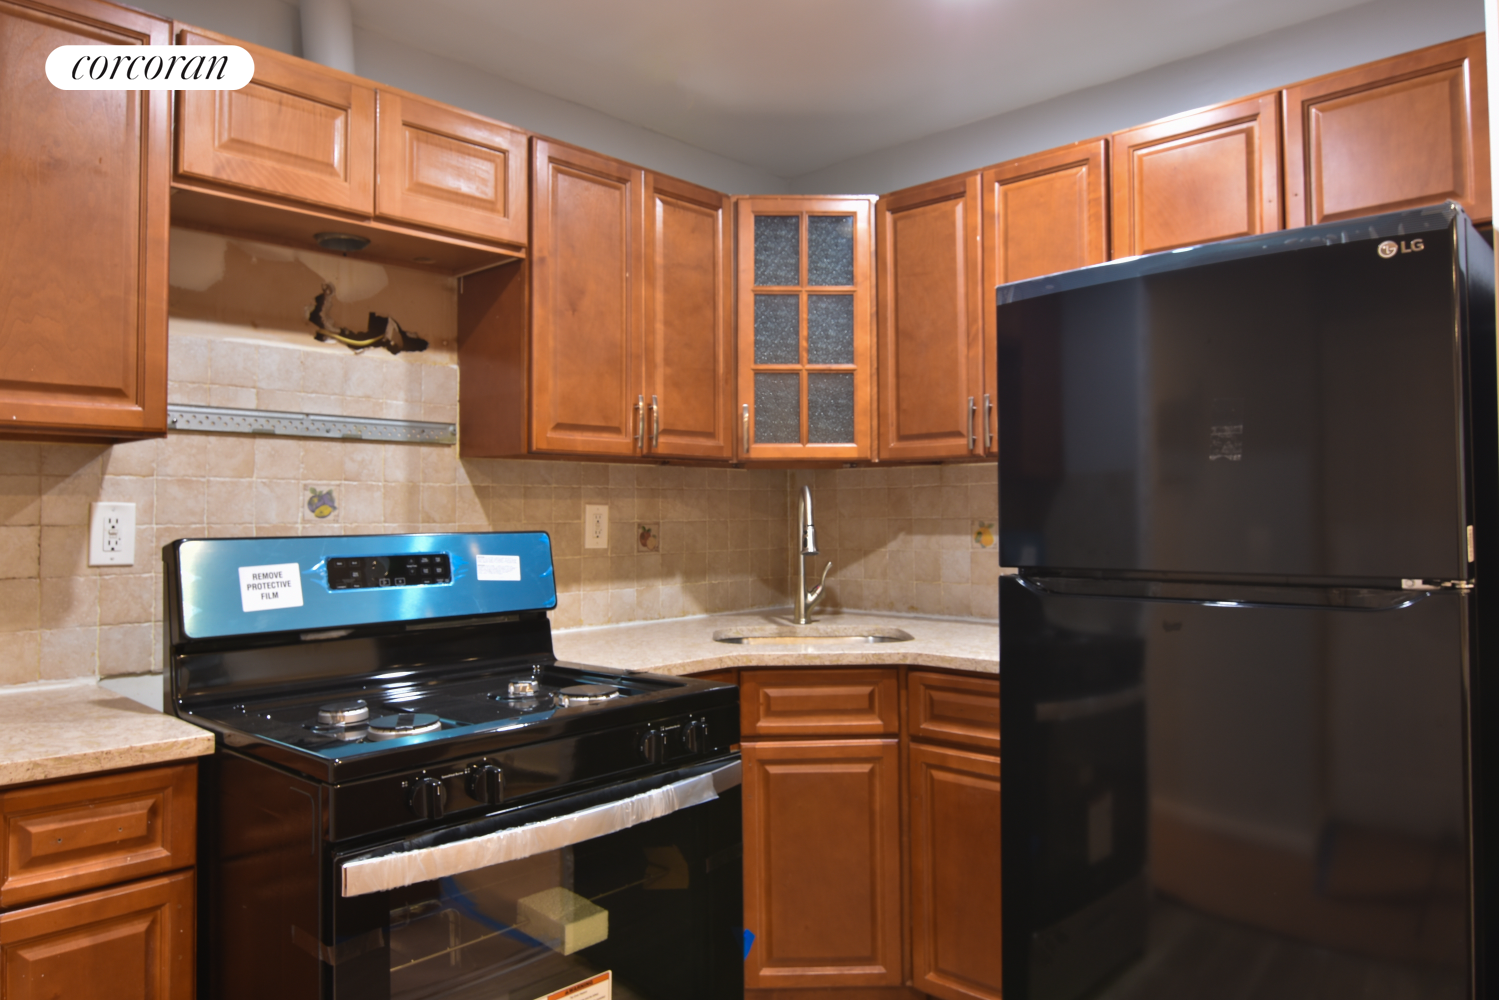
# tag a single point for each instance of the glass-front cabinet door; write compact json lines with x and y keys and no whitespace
{"x":804,"y":305}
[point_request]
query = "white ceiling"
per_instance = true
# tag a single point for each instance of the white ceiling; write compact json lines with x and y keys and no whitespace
{"x":793,"y":86}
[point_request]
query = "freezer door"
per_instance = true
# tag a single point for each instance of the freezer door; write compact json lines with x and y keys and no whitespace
{"x":1289,"y":413}
{"x":1255,"y":802}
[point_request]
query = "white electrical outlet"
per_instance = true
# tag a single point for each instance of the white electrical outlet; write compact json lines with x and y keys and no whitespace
{"x":111,"y":534}
{"x":595,"y":526}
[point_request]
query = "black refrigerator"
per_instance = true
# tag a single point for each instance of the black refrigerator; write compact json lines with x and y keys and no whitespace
{"x":1247,"y":493}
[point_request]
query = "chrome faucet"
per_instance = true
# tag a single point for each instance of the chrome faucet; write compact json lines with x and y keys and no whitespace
{"x":807,"y":547}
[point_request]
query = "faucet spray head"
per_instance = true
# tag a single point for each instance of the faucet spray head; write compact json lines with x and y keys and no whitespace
{"x":809,"y":532}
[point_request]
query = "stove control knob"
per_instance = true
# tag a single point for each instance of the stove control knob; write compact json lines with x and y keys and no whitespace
{"x":486,"y":783}
{"x":653,"y":746}
{"x":428,"y":797}
{"x":697,"y":736}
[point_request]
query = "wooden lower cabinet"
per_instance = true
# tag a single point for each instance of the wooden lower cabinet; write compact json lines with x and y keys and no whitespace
{"x":132,"y":941}
{"x":822,"y":863}
{"x":955,"y":873}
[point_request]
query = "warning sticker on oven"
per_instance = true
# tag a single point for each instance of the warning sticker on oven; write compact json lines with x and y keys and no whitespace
{"x":600,"y":987}
{"x":266,"y":588}
{"x":498,"y":567}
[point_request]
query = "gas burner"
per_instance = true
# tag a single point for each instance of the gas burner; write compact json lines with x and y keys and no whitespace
{"x":347,"y":734}
{"x":389,"y":727}
{"x":586,"y":694}
{"x":527,"y":687}
{"x":343,"y":713}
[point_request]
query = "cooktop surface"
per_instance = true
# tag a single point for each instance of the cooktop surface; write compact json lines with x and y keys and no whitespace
{"x":394,"y":712}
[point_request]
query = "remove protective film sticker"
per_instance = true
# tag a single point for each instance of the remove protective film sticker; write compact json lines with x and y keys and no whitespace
{"x":488,"y":567}
{"x":266,"y":588}
{"x":600,"y":987}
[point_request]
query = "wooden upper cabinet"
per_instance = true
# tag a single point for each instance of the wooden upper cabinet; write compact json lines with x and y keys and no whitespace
{"x":929,"y":263}
{"x":586,"y":322}
{"x":83,"y":262}
{"x":689,"y":388}
{"x":803,"y":312}
{"x":298,"y":130}
{"x":1402,"y":132}
{"x":448,"y":169}
{"x":822,"y":866}
{"x":1041,"y":214}
{"x":1202,"y":176}
{"x":955,"y":874}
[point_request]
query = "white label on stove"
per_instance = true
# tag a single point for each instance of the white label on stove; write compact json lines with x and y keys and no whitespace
{"x":266,"y":588}
{"x":600,"y":987}
{"x":498,"y":567}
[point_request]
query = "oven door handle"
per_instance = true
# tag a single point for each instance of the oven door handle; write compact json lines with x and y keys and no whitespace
{"x":392,"y":871}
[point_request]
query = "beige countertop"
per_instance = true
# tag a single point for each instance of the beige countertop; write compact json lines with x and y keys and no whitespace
{"x":56,"y":730}
{"x":686,"y":646}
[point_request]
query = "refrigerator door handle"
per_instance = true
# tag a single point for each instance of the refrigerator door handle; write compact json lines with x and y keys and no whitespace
{"x":1226,"y":595}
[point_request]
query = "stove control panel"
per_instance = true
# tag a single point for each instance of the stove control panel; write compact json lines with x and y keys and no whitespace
{"x":675,"y":739}
{"x":361,"y":572}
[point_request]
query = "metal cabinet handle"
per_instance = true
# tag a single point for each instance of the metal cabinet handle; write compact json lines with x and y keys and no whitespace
{"x":972,"y":437}
{"x":744,"y":422}
{"x":655,"y":424}
{"x":639,"y":420}
{"x":988,"y":423}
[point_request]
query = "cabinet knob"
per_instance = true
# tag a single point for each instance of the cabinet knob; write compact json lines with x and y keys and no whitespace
{"x":973,"y":438}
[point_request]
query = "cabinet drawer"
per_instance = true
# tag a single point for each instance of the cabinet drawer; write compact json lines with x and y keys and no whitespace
{"x":76,"y":835}
{"x":818,"y":702}
{"x":954,"y":709}
{"x":130,"y":941}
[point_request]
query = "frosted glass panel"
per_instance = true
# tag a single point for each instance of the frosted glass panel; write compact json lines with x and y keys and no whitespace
{"x":830,"y":407}
{"x":778,"y":242}
{"x":777,"y":330}
{"x":830,"y":250}
{"x":830,"y":329}
{"x":778,"y":407}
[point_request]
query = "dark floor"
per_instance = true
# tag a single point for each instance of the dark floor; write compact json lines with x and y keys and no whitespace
{"x":1193,"y":956}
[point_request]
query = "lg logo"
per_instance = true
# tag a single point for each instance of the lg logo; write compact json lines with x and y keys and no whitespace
{"x":1390,"y":248}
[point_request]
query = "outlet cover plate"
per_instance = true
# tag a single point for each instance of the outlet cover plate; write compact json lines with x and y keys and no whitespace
{"x":111,"y":534}
{"x":595,"y":526}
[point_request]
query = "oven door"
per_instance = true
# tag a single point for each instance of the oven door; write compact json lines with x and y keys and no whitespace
{"x":635,"y":888}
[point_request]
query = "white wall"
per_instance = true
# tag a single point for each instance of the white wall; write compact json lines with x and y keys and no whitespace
{"x":277,"y":25}
{"x":1359,"y":34}
{"x":1266,"y":62}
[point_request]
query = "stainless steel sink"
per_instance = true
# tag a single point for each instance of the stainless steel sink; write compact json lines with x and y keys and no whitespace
{"x":820,"y":635}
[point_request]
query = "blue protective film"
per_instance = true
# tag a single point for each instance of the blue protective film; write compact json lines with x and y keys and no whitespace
{"x":241,"y":586}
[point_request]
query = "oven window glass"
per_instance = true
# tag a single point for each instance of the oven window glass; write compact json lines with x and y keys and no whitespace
{"x":658,"y":905}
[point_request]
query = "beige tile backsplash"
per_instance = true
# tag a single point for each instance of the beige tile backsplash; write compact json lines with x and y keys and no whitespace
{"x":901,"y":539}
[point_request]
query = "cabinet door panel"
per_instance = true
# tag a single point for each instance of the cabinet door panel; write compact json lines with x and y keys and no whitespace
{"x":930,"y":330}
{"x":297,"y":130}
{"x":954,"y":708}
{"x":1041,"y":214}
{"x":804,"y":339}
{"x":955,"y":874}
{"x":822,"y":863}
{"x":586,"y":254}
{"x":132,"y":941}
{"x":83,"y":295}
{"x":449,"y":169}
{"x":75,"y":835}
{"x":1402,"y":132}
{"x":1209,"y":175}
{"x":687,"y":371}
{"x":806,"y":702}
